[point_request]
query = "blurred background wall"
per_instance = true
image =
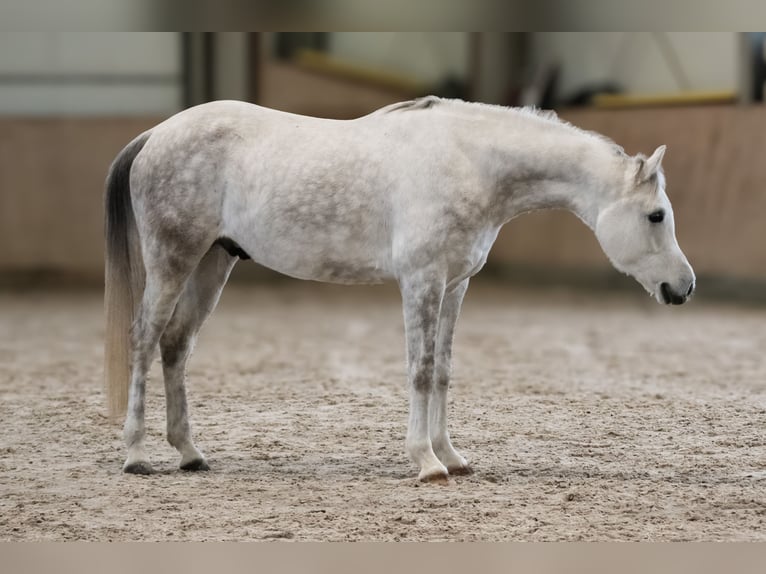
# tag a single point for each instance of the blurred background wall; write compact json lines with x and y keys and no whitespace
{"x":70,"y":101}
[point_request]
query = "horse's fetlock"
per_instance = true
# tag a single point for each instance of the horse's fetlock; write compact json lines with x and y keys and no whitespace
{"x":174,"y":440}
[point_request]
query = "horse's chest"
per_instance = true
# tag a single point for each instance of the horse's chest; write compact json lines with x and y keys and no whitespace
{"x":469,"y":259}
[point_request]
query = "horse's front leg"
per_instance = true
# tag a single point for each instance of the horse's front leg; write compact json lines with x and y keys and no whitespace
{"x":422,"y":294}
{"x":440,"y":439}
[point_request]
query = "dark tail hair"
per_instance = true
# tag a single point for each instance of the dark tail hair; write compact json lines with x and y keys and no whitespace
{"x":124,"y":275}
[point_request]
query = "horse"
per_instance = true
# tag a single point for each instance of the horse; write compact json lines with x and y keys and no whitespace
{"x":415,"y":192}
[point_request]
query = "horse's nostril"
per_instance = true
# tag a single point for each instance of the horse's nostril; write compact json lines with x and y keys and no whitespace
{"x":669,"y":296}
{"x":691,"y":289}
{"x":665,"y":291}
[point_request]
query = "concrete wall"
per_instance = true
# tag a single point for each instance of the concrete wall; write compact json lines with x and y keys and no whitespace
{"x":291,"y":89}
{"x":427,"y":56}
{"x":635,"y":59}
{"x":90,"y":73}
{"x":52,"y":175}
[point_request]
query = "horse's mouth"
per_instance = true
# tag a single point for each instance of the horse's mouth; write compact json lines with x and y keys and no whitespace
{"x":670,"y":298}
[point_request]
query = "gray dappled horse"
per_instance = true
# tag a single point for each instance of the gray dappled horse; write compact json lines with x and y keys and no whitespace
{"x":415,"y":192}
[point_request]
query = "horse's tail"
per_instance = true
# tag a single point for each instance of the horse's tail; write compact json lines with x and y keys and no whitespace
{"x":124,"y":276}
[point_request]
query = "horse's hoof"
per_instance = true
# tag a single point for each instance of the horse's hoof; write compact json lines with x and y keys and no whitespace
{"x":440,"y":479}
{"x":435,"y":477}
{"x":140,"y":467}
{"x":196,"y":464}
{"x":463,"y":470}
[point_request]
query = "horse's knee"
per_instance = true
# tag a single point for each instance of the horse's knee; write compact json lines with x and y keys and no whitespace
{"x":423,"y":379}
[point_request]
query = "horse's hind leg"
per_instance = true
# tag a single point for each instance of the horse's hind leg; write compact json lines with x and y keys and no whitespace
{"x":161,"y":292}
{"x":197,"y":301}
{"x":440,"y":439}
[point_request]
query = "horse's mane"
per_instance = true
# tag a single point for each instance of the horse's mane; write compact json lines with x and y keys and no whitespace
{"x":548,"y":116}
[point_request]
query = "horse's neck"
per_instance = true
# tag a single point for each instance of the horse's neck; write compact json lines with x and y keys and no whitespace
{"x":553,"y":167}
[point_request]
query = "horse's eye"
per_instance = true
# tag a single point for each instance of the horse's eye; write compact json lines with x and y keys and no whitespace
{"x":657,"y":216}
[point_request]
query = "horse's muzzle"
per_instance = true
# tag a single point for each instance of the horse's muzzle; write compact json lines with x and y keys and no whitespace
{"x":670,"y":297}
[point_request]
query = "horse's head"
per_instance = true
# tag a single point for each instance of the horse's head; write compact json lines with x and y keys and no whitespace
{"x":637,"y":232}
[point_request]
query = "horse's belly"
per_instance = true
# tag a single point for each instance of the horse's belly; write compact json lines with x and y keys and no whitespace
{"x":316,"y":261}
{"x":327,"y":233}
{"x":346,"y":271}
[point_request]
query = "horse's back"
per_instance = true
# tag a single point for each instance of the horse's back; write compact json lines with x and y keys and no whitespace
{"x":306,"y":196}
{"x":313,"y":198}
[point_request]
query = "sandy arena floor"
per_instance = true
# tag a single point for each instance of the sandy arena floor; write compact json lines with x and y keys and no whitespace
{"x":585,"y":418}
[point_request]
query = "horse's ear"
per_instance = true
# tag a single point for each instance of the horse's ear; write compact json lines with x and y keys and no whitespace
{"x":647,"y":168}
